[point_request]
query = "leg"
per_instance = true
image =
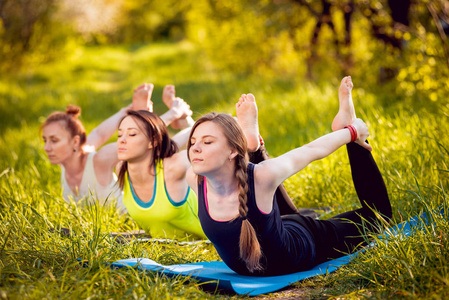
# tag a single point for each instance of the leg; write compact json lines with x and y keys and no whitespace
{"x":343,"y":233}
{"x":345,"y":230}
{"x":368,"y":182}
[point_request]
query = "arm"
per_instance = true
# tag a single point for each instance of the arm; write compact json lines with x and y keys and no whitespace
{"x":182,"y":137}
{"x":106,"y":129}
{"x":104,"y":162}
{"x":271,"y":173}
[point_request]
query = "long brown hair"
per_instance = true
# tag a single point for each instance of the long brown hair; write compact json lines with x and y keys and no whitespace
{"x":156,"y":130}
{"x":250,"y":250}
{"x":69,"y":119}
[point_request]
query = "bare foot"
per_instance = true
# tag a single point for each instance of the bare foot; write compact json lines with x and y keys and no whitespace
{"x":247,"y":117}
{"x":142,"y":97}
{"x":346,"y":112}
{"x":168,"y":94}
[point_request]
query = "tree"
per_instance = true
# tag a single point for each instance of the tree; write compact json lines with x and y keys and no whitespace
{"x":18,"y":20}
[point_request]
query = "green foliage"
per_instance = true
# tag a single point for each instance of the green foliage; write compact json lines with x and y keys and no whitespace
{"x":276,"y":38}
{"x":149,"y":20}
{"x":410,"y":141}
{"x":30,"y":35}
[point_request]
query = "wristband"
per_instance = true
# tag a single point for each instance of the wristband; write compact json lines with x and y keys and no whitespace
{"x":353,"y":132}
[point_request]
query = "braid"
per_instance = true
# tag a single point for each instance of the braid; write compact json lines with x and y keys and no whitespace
{"x":250,"y":250}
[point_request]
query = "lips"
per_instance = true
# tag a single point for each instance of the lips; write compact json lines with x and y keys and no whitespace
{"x":196,"y":160}
{"x":121,"y":149}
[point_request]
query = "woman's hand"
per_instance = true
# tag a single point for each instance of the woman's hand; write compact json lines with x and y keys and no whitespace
{"x":181,"y":113}
{"x":362,"y":133}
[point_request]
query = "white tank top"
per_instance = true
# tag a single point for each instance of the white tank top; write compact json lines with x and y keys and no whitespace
{"x":90,"y":185}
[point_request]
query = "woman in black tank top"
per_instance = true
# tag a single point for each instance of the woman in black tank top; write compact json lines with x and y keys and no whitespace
{"x":237,"y":204}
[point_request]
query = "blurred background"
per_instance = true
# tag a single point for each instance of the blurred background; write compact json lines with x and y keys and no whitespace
{"x":398,"y":42}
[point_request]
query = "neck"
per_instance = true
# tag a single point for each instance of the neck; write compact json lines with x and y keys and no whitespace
{"x":74,"y":164}
{"x":142,"y":170}
{"x":222,"y":182}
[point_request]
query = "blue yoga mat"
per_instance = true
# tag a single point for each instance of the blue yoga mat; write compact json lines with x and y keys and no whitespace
{"x":217,"y":275}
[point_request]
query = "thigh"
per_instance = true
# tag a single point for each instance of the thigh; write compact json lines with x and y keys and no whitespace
{"x":334,"y":237}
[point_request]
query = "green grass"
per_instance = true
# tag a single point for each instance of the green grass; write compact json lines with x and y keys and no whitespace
{"x":410,"y":141}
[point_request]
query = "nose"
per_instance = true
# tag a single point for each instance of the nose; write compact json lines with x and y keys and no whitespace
{"x":122,"y":139}
{"x":47,"y":147}
{"x":196,"y":148}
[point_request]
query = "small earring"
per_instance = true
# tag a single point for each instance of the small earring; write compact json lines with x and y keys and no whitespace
{"x":74,"y":150}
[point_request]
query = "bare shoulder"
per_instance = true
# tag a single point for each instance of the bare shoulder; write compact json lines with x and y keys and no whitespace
{"x":178,"y":159}
{"x":107,"y":154}
{"x":265,"y":175}
{"x":177,"y":164}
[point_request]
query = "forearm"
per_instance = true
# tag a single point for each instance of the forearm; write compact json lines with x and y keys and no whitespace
{"x":106,"y":129}
{"x":327,"y":144}
{"x":168,"y":117}
{"x":182,"y":137}
{"x":292,"y":162}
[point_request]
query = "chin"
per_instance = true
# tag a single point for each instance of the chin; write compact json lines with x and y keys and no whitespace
{"x":122,"y":157}
{"x":200,"y":171}
{"x":53,"y":161}
{"x":196,"y":170}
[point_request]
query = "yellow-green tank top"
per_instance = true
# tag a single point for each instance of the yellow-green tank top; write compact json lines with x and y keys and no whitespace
{"x":161,"y":217}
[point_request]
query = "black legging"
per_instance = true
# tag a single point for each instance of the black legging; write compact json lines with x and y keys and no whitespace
{"x":343,"y":233}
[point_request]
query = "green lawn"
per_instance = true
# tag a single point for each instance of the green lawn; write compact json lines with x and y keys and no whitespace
{"x":410,"y":141}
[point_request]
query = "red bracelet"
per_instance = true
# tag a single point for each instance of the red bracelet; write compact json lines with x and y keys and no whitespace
{"x":353,"y":132}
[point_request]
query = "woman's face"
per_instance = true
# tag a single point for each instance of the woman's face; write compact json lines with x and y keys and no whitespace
{"x":209,"y":150}
{"x":59,"y":144}
{"x":132,"y":143}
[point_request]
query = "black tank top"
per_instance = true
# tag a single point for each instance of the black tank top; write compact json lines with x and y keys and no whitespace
{"x":287,"y":247}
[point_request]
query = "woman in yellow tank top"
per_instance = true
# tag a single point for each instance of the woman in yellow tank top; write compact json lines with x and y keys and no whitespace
{"x":152,"y":175}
